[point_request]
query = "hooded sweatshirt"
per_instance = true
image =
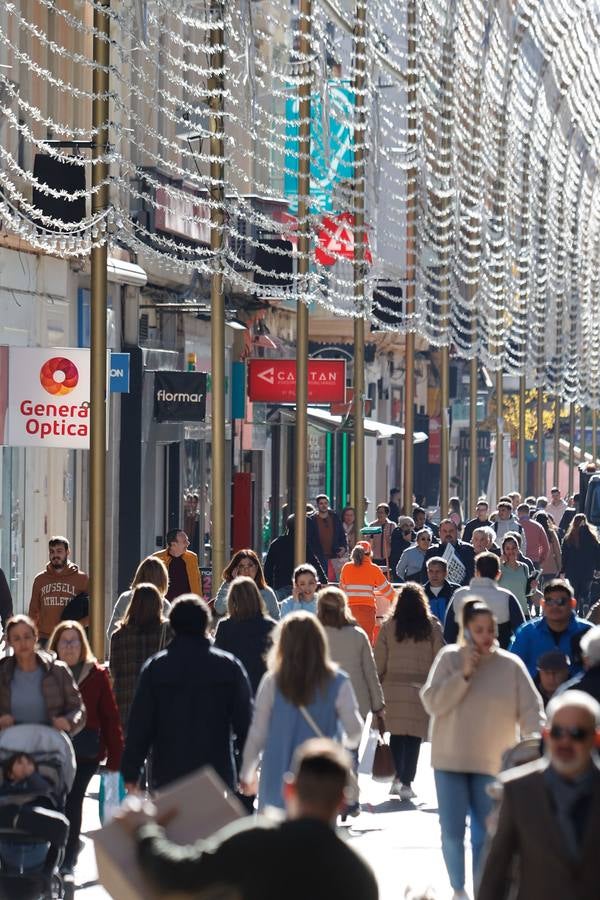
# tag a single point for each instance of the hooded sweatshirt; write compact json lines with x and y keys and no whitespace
{"x":50,"y":594}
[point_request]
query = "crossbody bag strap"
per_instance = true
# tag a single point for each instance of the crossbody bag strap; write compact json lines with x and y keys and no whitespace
{"x":309,"y":719}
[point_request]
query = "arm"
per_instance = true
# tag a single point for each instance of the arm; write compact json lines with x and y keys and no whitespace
{"x":502,"y":850}
{"x":259,"y":728}
{"x":141,"y":726}
{"x":73,"y":707}
{"x":437,"y":638}
{"x":193,"y":571}
{"x":370,"y":673}
{"x":221,"y":599}
{"x":268,"y":566}
{"x":271,"y":603}
{"x":241,"y":712}
{"x":167,"y":865}
{"x":402,"y":566}
{"x":450,"y":624}
{"x":544,"y":547}
{"x":110,"y":723}
{"x":445,"y":687}
{"x":381,"y":653}
{"x":34,"y":603}
{"x":346,"y":707}
{"x":520,"y":644}
{"x":117,"y":613}
{"x":516,"y":614}
{"x":530,"y":708}
{"x":314,"y":560}
{"x":341,"y":542}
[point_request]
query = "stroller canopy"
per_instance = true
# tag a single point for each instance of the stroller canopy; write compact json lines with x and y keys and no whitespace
{"x":46,"y":745}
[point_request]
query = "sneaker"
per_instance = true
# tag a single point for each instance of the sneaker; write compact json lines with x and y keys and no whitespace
{"x":395,"y":788}
{"x":406,"y":792}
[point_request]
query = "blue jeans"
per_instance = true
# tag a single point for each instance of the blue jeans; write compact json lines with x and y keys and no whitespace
{"x":459,"y":794}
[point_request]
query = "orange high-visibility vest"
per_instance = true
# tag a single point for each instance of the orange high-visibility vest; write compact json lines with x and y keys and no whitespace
{"x":369,"y":593}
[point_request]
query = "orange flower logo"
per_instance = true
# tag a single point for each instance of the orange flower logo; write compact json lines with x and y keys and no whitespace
{"x":58,"y":376}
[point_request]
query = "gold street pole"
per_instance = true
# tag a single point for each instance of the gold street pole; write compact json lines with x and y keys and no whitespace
{"x":556,"y":453}
{"x":473,"y":456}
{"x":217,"y":297}
{"x":499,"y":436}
{"x":360,"y":51}
{"x":99,"y":286}
{"x":301,"y":434}
{"x":541,"y":480}
{"x":595,"y":435}
{"x":411,"y":260}
{"x":571,"y":447}
{"x":522,"y":460}
{"x":583,"y":434}
{"x":445,"y":431}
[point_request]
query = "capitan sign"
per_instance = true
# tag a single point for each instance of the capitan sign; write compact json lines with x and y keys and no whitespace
{"x":48,"y":397}
{"x":274,"y":380}
{"x":179,"y":396}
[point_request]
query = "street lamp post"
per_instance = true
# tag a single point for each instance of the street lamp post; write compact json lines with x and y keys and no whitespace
{"x":499,"y":436}
{"x":445,"y":431}
{"x":571,"y":446}
{"x":595,"y":434}
{"x":99,"y":287}
{"x":522,"y":442}
{"x":473,"y":457}
{"x":540,"y":442}
{"x":411,"y":256}
{"x":556,"y":454}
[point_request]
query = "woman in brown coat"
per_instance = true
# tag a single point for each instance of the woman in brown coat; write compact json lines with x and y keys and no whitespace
{"x":406,"y":647}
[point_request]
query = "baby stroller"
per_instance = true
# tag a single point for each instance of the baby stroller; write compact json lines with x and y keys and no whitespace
{"x":33,"y":828}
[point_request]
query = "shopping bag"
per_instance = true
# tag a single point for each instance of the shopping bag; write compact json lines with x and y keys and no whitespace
{"x":365,"y":765}
{"x":384,"y":768}
{"x":111,"y":795}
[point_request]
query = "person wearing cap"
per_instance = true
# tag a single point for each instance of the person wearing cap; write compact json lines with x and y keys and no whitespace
{"x":369,"y":593}
{"x":552,"y":671}
{"x":588,"y":680}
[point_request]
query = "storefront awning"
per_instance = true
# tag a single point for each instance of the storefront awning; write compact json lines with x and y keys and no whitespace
{"x":324,"y":419}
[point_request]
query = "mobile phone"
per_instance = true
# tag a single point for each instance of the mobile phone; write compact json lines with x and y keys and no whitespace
{"x":468,"y":637}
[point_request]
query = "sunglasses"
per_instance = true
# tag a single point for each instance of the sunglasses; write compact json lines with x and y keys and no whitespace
{"x":576,"y":734}
{"x":556,"y":601}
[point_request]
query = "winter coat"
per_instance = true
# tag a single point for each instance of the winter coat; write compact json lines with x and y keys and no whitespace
{"x":60,"y":692}
{"x":349,"y":647}
{"x":279,"y":562}
{"x":120,"y":609}
{"x":267,"y":593}
{"x":438,"y":604}
{"x":579,"y":562}
{"x":552,"y":565}
{"x":534,"y":638}
{"x":503,"y":604}
{"x":51,"y":592}
{"x":192,"y":707}
{"x":191,"y":566}
{"x":398,"y":544}
{"x":464,"y":552}
{"x":249,"y":641}
{"x":403,"y":667}
{"x":102,"y":713}
{"x":470,"y":527}
{"x":129,"y":650}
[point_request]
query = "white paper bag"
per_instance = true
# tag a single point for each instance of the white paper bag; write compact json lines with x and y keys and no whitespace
{"x":365,"y":765}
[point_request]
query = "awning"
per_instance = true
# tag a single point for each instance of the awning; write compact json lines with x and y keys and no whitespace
{"x":122,"y":272}
{"x":324,"y":419}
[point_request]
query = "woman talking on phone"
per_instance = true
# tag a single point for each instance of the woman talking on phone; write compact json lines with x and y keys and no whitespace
{"x":482,"y":701}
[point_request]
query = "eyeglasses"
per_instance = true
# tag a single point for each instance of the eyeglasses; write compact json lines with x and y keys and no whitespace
{"x":247,"y":565}
{"x":65,"y":644}
{"x":575,"y":733}
{"x":424,"y":537}
{"x":556,"y":601}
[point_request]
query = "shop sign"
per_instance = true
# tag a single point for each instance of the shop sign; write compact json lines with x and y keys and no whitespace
{"x":48,"y":397}
{"x":274,"y":380}
{"x":119,"y":373}
{"x":336,"y":240}
{"x":179,"y":396}
{"x":183,"y":217}
{"x":434,"y":450}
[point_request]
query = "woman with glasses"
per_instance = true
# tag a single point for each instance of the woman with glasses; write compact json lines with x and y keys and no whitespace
{"x":102,"y":736}
{"x":412,"y":560}
{"x":246,"y":563}
{"x":403,"y":536}
{"x":481,"y":700}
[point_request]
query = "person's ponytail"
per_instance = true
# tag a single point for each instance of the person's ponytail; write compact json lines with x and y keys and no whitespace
{"x":358,"y":555}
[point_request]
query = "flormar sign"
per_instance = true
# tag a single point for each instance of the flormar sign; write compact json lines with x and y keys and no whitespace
{"x":179,"y":396}
{"x":274,"y":380}
{"x":48,"y":397}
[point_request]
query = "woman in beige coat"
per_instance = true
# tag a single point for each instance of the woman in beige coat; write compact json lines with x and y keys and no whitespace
{"x":406,"y":647}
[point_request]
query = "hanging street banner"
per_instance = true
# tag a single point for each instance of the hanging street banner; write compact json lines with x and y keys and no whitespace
{"x":179,"y":396}
{"x":331,"y":155}
{"x":48,"y":397}
{"x":335,"y":240}
{"x":274,"y":380}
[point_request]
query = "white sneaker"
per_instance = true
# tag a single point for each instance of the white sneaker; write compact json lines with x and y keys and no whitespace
{"x":396,"y":787}
{"x":406,"y":792}
{"x":460,"y":895}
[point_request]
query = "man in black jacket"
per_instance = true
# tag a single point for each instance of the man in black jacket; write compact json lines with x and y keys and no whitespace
{"x":301,"y":858}
{"x":192,"y":706}
{"x":326,"y":534}
{"x":280,"y":563}
{"x":481,"y":518}
{"x":459,"y":555}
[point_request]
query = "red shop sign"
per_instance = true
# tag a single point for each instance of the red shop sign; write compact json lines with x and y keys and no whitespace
{"x":274,"y":380}
{"x":336,"y":240}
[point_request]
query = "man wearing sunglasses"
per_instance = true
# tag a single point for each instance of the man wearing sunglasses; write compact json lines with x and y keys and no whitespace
{"x":549,"y":816}
{"x":559,"y":628}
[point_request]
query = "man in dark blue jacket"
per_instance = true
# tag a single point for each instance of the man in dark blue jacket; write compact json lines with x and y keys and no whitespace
{"x":459,"y":555}
{"x":558,"y":629}
{"x":192,"y":706}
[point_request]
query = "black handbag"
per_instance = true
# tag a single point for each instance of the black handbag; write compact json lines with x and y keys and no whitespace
{"x":86,"y":744}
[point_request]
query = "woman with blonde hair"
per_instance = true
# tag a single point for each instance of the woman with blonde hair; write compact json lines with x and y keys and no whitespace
{"x":365,"y":584}
{"x":102,"y":736}
{"x":141,"y":633}
{"x":303,"y":695}
{"x":246,"y":632}
{"x":151,"y":570}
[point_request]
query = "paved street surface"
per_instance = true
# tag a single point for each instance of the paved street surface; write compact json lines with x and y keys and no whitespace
{"x":400,"y":840}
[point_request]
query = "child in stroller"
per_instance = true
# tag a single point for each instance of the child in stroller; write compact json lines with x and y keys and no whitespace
{"x":38,"y":768}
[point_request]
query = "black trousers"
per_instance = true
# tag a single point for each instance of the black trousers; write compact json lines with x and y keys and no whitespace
{"x":405,"y":750}
{"x":74,"y":807}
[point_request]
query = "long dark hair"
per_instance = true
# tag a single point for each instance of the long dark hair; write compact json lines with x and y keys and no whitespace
{"x":546,"y":521}
{"x":236,"y":559}
{"x":580,"y":530}
{"x":411,"y":613}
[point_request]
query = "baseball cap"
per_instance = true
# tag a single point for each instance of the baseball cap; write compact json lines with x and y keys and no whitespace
{"x":553,"y":661}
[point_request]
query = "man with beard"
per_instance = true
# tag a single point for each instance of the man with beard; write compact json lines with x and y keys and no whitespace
{"x":55,"y":587}
{"x":459,"y":555}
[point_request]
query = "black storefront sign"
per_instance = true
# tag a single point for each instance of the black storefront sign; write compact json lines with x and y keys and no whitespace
{"x":179,"y":396}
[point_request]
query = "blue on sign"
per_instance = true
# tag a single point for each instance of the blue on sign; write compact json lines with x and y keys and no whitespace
{"x":119,"y":373}
{"x":331,"y":155}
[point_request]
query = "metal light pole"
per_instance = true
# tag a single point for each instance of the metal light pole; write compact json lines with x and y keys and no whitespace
{"x":301,"y":434}
{"x":473,"y":457}
{"x":411,"y":258}
{"x":595,"y":434}
{"x":522,"y":465}
{"x":99,"y":286}
{"x":571,"y":447}
{"x":556,"y":454}
{"x":217,"y":298}
{"x":445,"y":431}
{"x":499,"y":436}
{"x":541,"y":481}
{"x":360,"y":51}
{"x":583,"y":434}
